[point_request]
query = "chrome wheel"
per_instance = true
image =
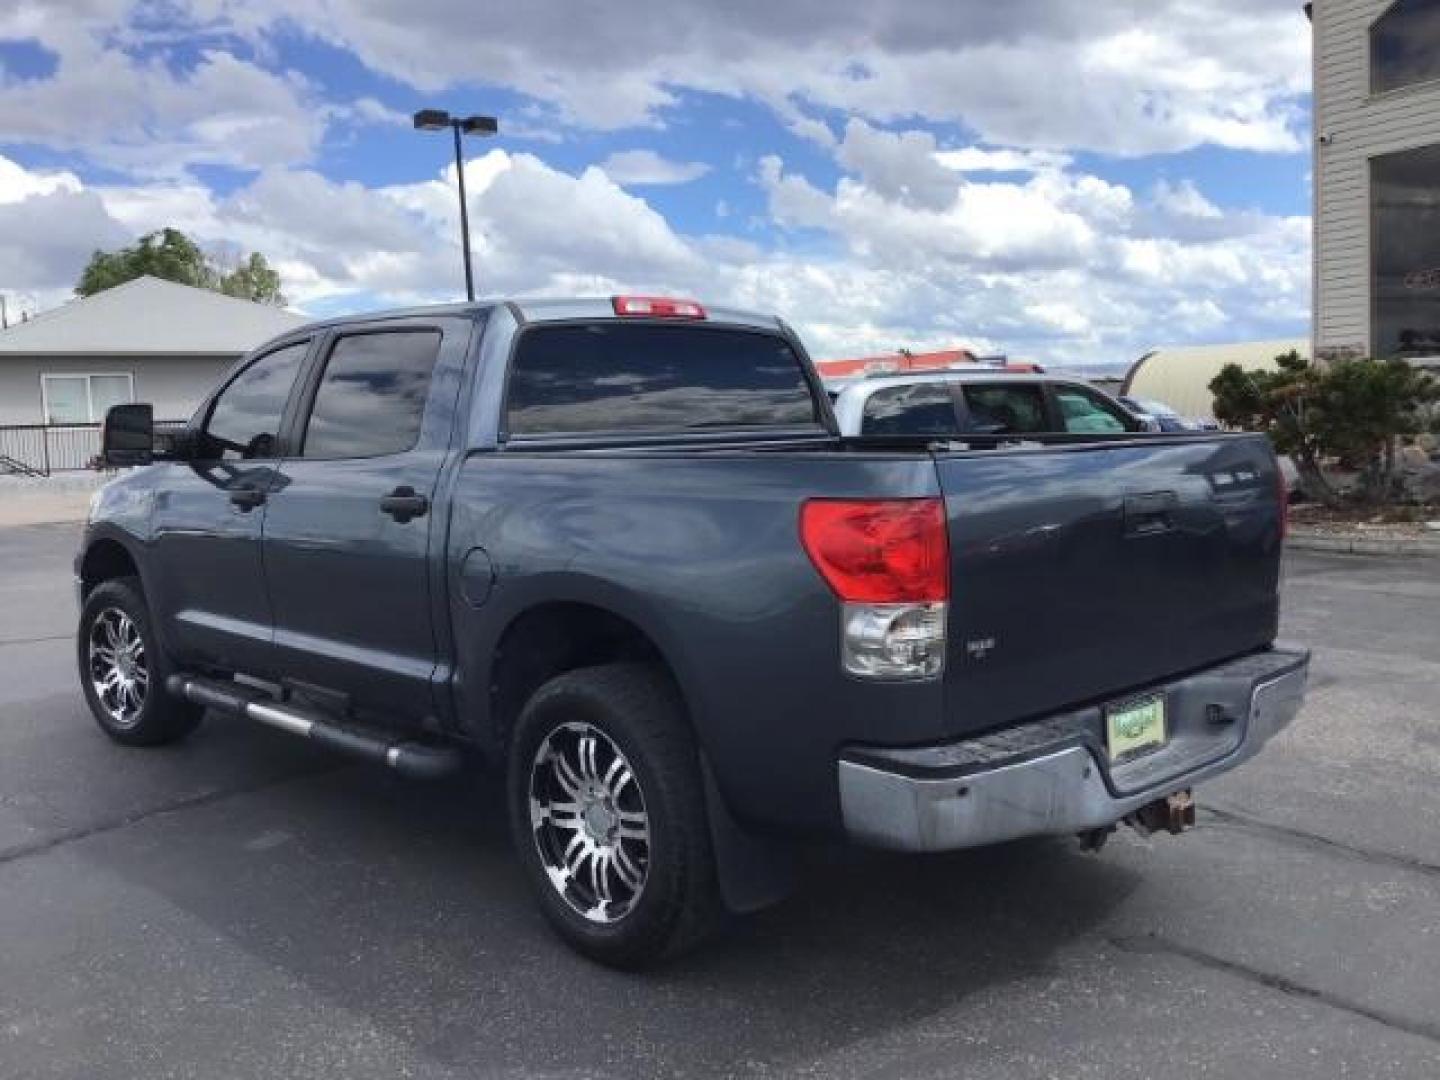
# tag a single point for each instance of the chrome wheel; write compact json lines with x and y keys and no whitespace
{"x":587,"y":814}
{"x":119,"y":672}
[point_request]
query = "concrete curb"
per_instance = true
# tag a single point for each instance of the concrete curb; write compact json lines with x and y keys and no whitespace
{"x":1307,"y":540}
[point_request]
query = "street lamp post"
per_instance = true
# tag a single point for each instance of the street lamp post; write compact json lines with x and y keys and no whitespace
{"x":439,"y":120}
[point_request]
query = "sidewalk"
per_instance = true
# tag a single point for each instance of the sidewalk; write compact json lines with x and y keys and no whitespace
{"x":45,"y":501}
{"x":1358,"y":543}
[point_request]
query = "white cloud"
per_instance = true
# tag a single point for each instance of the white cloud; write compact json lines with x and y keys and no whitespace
{"x":18,"y":183}
{"x":1053,"y":264}
{"x":1184,"y":200}
{"x":897,"y":165}
{"x":1058,"y":265}
{"x":641,"y":167}
{"x":794,"y":201}
{"x":917,"y":242}
{"x":969,"y":159}
{"x":1126,"y":76}
{"x":142,"y":114}
{"x":49,"y":225}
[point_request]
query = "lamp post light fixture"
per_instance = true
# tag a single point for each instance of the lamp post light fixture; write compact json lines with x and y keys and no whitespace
{"x":439,"y":120}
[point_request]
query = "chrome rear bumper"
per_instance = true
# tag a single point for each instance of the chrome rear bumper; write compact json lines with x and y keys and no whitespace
{"x":910,"y":800}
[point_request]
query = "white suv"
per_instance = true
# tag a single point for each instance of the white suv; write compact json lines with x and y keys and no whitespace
{"x":959,"y":403}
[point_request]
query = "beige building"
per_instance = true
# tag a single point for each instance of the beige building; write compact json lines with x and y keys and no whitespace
{"x":146,"y":340}
{"x":1179,"y":375}
{"x":1377,"y":177}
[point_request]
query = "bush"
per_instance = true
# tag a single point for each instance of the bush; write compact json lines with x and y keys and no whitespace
{"x":1349,"y":411}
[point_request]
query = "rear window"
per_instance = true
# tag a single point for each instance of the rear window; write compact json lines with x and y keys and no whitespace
{"x":619,"y":377}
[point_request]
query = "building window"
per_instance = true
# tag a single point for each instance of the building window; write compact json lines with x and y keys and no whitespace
{"x":1405,"y":45}
{"x":1405,"y":253}
{"x":83,"y":399}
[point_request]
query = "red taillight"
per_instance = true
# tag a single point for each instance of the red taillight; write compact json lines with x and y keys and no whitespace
{"x":657,"y":307}
{"x":884,"y":551}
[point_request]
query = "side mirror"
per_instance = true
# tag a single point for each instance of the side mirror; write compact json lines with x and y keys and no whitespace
{"x":128,"y":435}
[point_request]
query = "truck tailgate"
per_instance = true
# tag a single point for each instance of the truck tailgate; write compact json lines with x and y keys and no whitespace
{"x":1082,"y":571}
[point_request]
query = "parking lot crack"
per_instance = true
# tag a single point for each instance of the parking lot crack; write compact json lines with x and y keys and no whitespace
{"x":34,"y":640}
{"x":1323,"y":843}
{"x":1154,"y":944}
{"x":99,"y":828}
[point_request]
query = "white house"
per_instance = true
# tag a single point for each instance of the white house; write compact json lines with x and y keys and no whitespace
{"x":1377,"y":177}
{"x":146,"y":340}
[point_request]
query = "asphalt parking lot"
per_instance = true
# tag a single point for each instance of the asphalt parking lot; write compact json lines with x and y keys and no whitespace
{"x":243,"y":906}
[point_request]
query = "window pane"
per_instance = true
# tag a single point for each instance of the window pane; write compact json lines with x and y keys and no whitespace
{"x":919,"y":409}
{"x":107,"y":390}
{"x":1006,"y":410}
{"x":65,"y":400}
{"x":245,"y":418}
{"x":1083,"y":413}
{"x":1405,"y":191}
{"x":1405,"y":45}
{"x":614,"y":377}
{"x":371,"y":399}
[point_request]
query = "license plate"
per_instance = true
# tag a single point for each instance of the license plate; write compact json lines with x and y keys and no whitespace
{"x":1135,"y":727}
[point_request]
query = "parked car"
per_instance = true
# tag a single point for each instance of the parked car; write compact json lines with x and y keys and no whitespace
{"x":619,"y":550}
{"x":1166,"y":418}
{"x":983,"y":401}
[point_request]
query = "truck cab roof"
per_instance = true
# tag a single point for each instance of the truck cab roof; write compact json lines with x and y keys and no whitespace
{"x":556,"y":309}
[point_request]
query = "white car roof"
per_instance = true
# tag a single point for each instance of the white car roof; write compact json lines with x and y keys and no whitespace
{"x":849,"y":405}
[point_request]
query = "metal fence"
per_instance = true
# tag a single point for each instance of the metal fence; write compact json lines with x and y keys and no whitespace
{"x":42,"y":449}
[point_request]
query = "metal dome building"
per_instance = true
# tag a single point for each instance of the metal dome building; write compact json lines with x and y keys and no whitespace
{"x":1180,"y":375}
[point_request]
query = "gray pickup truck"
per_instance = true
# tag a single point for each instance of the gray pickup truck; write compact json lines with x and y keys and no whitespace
{"x":617,"y":549}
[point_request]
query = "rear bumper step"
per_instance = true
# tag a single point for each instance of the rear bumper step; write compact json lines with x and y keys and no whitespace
{"x":417,"y":760}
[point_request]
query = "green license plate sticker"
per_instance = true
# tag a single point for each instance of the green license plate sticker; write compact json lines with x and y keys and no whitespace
{"x":1135,"y":727}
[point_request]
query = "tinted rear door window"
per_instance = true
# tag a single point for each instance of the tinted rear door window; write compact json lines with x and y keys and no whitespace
{"x":1006,"y":410}
{"x":921,"y":409}
{"x":371,"y":399}
{"x":618,"y":377}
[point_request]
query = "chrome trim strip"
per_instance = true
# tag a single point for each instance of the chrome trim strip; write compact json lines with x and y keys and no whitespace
{"x":279,"y":718}
{"x":1054,"y":794}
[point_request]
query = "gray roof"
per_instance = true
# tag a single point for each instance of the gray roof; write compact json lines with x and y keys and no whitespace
{"x":149,"y":316}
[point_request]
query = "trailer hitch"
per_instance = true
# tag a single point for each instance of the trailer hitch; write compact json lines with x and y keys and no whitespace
{"x":1173,"y":814}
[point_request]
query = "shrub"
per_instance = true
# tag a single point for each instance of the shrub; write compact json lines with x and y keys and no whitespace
{"x":1351,"y":411}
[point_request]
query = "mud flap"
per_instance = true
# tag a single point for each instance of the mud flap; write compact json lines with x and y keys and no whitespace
{"x":753,"y":871}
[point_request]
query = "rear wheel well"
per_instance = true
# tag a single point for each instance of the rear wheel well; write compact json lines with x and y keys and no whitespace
{"x":555,"y":638}
{"x":105,"y":561}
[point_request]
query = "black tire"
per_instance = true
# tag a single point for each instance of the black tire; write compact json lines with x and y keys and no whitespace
{"x":637,"y":708}
{"x":145,"y":717}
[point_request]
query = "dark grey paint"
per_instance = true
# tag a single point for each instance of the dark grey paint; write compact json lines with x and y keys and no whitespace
{"x":1095,"y":565}
{"x":349,"y":584}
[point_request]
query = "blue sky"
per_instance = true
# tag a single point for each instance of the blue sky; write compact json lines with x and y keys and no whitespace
{"x":1057,"y":181}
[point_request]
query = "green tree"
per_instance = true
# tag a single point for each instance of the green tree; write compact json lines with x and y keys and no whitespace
{"x":172,"y":255}
{"x":1362,"y":406}
{"x":168,"y":254}
{"x":254,"y":279}
{"x":1349,"y":410}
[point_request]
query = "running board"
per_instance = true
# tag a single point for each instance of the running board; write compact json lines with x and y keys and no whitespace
{"x":419,"y":761}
